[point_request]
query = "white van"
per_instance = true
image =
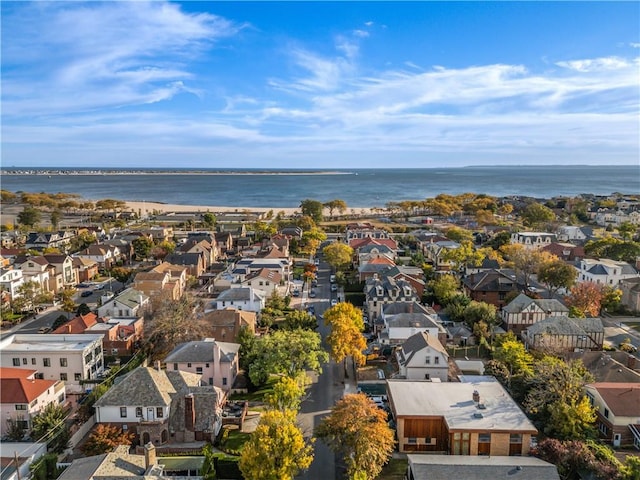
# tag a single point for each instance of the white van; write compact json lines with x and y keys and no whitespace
{"x":332,"y":279}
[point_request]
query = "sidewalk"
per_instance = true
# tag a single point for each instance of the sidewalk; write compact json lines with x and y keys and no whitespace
{"x":12,"y":330}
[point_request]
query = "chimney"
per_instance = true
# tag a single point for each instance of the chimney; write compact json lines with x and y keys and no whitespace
{"x":68,"y":328}
{"x":631,"y":362}
{"x":189,"y":413}
{"x":157,"y":365}
{"x":476,"y":396}
{"x":149,"y":455}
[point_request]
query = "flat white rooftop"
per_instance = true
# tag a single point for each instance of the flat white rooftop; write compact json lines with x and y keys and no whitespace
{"x":46,"y":343}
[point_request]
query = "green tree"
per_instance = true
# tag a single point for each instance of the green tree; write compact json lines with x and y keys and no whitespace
{"x":459,"y":235}
{"x":338,"y":255}
{"x":55,"y":218}
{"x":82,"y":309}
{"x":444,"y":288}
{"x":313,"y":209}
{"x":209,"y":220}
{"x":49,"y":425}
{"x":527,"y":262}
{"x":627,"y":230}
{"x":537,"y":215}
{"x":613,"y":248}
{"x":512,"y":353}
{"x":311,"y":240}
{"x":465,"y":254}
{"x":336,"y":204}
{"x":456,"y":307}
{"x":287,"y":353}
{"x":142,"y":247}
{"x":121,"y":274}
{"x":557,"y":274}
{"x":15,"y":431}
{"x":358,"y":430}
{"x":499,"y":240}
{"x":611,"y":298}
{"x":299,"y":319}
{"x":287,"y":393}
{"x":105,"y":438}
{"x":29,"y":295}
{"x":29,"y":216}
{"x":208,"y":470}
{"x":345,"y":338}
{"x":66,"y":297}
{"x":276,"y":450}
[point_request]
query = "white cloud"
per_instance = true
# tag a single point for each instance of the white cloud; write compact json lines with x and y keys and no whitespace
{"x":360,"y":33}
{"x":595,"y":64}
{"x":634,"y":45}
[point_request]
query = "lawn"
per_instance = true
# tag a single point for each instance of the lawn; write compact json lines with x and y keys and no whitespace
{"x":258,"y":395}
{"x":394,"y":470}
{"x":234,"y":441}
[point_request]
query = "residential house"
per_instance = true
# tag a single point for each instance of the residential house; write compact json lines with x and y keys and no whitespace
{"x":86,"y":269}
{"x":401,"y":320}
{"x":383,"y":291}
{"x":491,"y":286}
{"x":216,"y":361}
{"x":618,"y":409}
{"x":422,"y":357}
{"x":242,"y":298}
{"x":159,"y":234}
{"x":447,"y":467}
{"x":366,"y":253}
{"x":523,"y":311}
{"x":575,"y":234}
{"x":40,"y":241}
{"x":70,"y":358}
{"x":77,"y":325}
{"x":436,"y":252}
{"x":104,"y":255}
{"x":358,"y":243}
{"x":201,"y":244}
{"x":224,"y":241}
{"x":423,"y":239}
{"x":10,"y":281}
{"x":22,"y":396}
{"x":280,"y":241}
{"x":121,"y":336}
{"x":162,"y":407}
{"x":293,"y":232}
{"x":64,"y":270}
{"x":280,"y":264}
{"x":37,"y":269}
{"x":473,"y":417}
{"x":226,"y":324}
{"x":485,"y":265}
{"x":363,"y":230}
{"x":265,"y":280}
{"x":194,"y":262}
{"x":565,"y":334}
{"x":565,"y":251}
{"x":128,"y":303}
{"x":163,"y":281}
{"x":533,"y":240}
{"x":615,"y":367}
{"x":413,"y":275}
{"x":375,"y":267}
{"x":630,"y":293}
{"x":124,"y":246}
{"x":605,"y":271}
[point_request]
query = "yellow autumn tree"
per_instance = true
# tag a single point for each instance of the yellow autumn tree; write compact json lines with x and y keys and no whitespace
{"x":345,"y":338}
{"x":358,"y":429}
{"x":277,"y":449}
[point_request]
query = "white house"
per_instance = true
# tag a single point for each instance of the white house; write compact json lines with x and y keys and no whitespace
{"x":618,"y":410}
{"x":533,"y":240}
{"x":22,"y":396}
{"x":70,"y":358}
{"x":264,"y":280}
{"x":103,"y":255}
{"x":605,"y":271}
{"x":422,"y":357}
{"x":217,"y":362}
{"x":10,"y":281}
{"x":129,"y":303}
{"x":282,"y":265}
{"x":243,"y":298}
{"x":401,"y":320}
{"x":572,"y":233}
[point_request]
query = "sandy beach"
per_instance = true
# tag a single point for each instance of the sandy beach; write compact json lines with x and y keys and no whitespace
{"x":147,"y":208}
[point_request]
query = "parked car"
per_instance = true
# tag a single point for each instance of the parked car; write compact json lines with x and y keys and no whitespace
{"x":86,"y":293}
{"x":44,"y":329}
{"x":332,"y":279}
{"x":296,"y":293}
{"x":83,"y":285}
{"x":334,"y":287}
{"x":312,"y":294}
{"x":334,"y":302}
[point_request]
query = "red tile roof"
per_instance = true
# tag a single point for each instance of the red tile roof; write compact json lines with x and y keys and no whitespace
{"x":18,"y":389}
{"x":78,"y":324}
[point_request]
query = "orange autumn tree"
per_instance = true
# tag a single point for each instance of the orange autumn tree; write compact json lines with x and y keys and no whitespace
{"x":358,"y":429}
{"x":105,"y":438}
{"x":585,"y":300}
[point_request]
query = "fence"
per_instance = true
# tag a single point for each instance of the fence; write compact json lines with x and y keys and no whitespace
{"x":79,"y":434}
{"x":475,"y":351}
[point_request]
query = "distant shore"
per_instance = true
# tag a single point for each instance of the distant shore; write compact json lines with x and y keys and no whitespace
{"x":53,"y":173}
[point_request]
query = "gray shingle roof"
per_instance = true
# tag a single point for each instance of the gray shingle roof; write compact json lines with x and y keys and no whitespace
{"x":417,"y":342}
{"x":143,"y":386}
{"x":562,"y":325}
{"x":196,"y":352}
{"x":406,"y":320}
{"x":519,"y":303}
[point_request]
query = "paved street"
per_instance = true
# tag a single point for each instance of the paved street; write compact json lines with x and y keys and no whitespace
{"x":617,"y":329}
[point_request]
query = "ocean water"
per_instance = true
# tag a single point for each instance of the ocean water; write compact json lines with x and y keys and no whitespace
{"x":358,"y":188}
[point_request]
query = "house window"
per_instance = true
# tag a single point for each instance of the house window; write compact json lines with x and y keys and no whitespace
{"x":21,"y":407}
{"x":63,"y":377}
{"x":188,"y":365}
{"x":206,"y":364}
{"x":199,"y":370}
{"x":515,"y":438}
{"x":159,"y":412}
{"x":606,"y":413}
{"x":33,"y":361}
{"x":484,"y":438}
{"x":24,"y":361}
{"x":436,"y":360}
{"x":46,"y":362}
{"x":16,"y":362}
{"x":428,"y":360}
{"x":63,"y":362}
{"x":224,"y":380}
{"x":591,"y":399}
{"x":603,"y":428}
{"x":123,"y":412}
{"x":427,"y":376}
{"x":412,"y":440}
{"x":175,"y":366}
{"x":138,"y":412}
{"x":210,"y":380}
{"x":77,"y":377}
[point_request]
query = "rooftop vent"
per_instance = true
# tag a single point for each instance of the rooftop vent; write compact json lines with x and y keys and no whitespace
{"x":482,"y":406}
{"x":477,"y":415}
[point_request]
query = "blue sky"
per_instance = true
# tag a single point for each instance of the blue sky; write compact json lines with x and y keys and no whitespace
{"x":319,"y":84}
